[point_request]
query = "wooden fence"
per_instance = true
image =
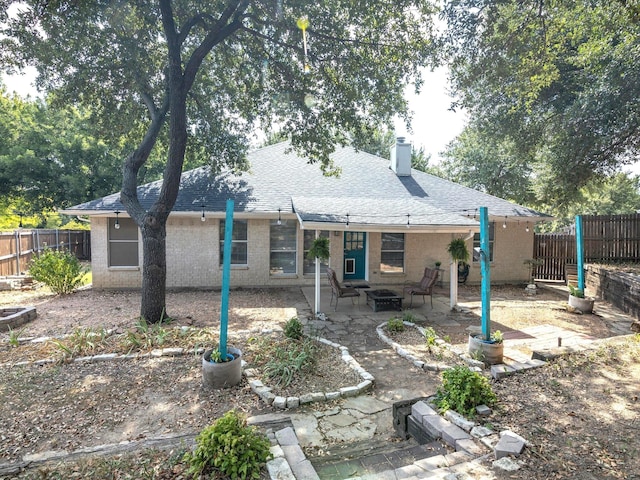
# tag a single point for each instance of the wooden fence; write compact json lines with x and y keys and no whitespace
{"x":17,"y":248}
{"x":607,"y":239}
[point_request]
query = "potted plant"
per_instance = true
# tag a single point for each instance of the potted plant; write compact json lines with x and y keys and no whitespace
{"x":578,"y":301}
{"x":219,"y":372}
{"x":458,"y":250}
{"x":438,"y":265}
{"x":319,"y":249}
{"x":489,"y":351}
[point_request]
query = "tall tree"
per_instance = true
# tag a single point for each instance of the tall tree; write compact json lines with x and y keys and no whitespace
{"x":49,"y":158}
{"x":558,"y":81}
{"x":206,"y":73}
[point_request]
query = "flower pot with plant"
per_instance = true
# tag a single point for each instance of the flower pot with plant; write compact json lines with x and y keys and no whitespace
{"x":489,"y":351}
{"x":218,"y":372}
{"x":578,"y":300}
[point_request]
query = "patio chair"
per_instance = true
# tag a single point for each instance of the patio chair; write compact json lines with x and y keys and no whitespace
{"x":425,"y":287}
{"x":339,"y":291}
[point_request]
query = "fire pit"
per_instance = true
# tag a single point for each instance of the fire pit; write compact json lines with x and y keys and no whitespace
{"x":12,"y":317}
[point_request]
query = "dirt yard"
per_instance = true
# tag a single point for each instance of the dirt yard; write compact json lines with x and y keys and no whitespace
{"x":581,"y":414}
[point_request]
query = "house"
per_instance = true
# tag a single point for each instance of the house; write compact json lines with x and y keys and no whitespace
{"x":385,"y":222}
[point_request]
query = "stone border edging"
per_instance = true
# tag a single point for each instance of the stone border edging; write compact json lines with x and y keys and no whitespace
{"x":433,"y":367}
{"x":263,"y":391}
{"x":281,"y":403}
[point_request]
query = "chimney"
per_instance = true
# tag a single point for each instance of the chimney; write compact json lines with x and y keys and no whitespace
{"x":401,"y":158}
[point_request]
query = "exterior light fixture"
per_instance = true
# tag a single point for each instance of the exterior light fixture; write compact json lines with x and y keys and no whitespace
{"x":408,"y":223}
{"x":203,"y":218}
{"x":279,"y":222}
{"x":347,"y":225}
{"x":504,"y":224}
{"x":21,"y":215}
{"x":117,"y":224}
{"x":527,"y":229}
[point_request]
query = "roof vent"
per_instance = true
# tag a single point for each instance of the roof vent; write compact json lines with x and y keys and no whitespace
{"x":401,"y":158}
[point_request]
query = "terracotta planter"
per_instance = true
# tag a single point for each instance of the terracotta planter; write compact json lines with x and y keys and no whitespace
{"x":224,"y":374}
{"x":585,"y":305}
{"x":490,"y":353}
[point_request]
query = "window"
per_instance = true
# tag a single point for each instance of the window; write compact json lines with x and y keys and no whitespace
{"x":392,"y":253}
{"x":476,"y":243}
{"x":123,"y":243}
{"x":309,"y":266}
{"x":282,"y":240}
{"x":238,"y":242}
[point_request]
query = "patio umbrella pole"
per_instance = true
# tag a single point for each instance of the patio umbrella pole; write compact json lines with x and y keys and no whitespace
{"x":226,"y":274}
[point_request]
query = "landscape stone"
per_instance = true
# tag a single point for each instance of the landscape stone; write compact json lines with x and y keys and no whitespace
{"x":480,"y":431}
{"x":304,"y":470}
{"x":332,"y":395}
{"x":431,"y":463}
{"x":293,"y":454}
{"x":452,"y":433}
{"x":341,"y":420}
{"x":280,"y":402}
{"x":507,"y":464}
{"x":365,"y":404}
{"x":483,"y":410}
{"x":306,"y":398}
{"x":459,"y":420}
{"x":280,"y":469}
{"x":509,"y":444}
{"x":317,"y":397}
{"x":501,"y":370}
{"x":435,"y":424}
{"x":421,"y":409}
{"x":286,"y":436}
{"x":349,"y":391}
{"x":469,"y":446}
{"x":293,"y":402}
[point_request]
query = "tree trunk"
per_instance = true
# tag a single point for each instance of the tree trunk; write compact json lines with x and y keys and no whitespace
{"x":154,"y":269}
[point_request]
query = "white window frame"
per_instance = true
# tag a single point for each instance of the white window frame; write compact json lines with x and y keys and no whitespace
{"x":291,"y":251}
{"x":234,"y":241}
{"x":383,"y":251}
{"x":126,"y":224}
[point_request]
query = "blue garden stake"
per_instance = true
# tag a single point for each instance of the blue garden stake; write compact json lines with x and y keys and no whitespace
{"x":580,"y":252}
{"x":226,"y":273}
{"x":486,"y":274}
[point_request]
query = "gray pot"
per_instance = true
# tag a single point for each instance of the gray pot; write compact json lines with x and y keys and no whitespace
{"x":222,"y":375}
{"x":486,"y":352}
{"x":585,"y":305}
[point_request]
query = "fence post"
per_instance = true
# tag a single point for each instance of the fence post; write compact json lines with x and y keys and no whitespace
{"x":17,"y":251}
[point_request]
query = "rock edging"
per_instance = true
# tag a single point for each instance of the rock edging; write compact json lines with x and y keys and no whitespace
{"x":433,"y":367}
{"x":266,"y":395}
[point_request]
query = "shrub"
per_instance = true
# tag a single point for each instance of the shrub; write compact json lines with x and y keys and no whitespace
{"x":431,"y":336}
{"x":293,"y":328}
{"x":409,"y":317}
{"x":395,"y":325}
{"x":463,"y":390}
{"x":60,"y":270}
{"x":231,"y":447}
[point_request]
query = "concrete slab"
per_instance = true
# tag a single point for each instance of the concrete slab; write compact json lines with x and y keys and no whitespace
{"x":366,"y":404}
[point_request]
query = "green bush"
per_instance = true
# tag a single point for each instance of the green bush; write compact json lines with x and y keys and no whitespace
{"x":293,"y":328}
{"x":463,"y":390}
{"x":230,"y":447}
{"x":60,"y":270}
{"x":395,"y":325}
{"x":430,"y":336}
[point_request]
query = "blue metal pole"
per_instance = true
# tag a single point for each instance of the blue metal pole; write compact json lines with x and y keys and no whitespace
{"x":226,"y":274}
{"x":580,"y":252}
{"x":485,"y":262}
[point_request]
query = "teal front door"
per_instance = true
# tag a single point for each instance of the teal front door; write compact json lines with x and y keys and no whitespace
{"x":354,"y":255}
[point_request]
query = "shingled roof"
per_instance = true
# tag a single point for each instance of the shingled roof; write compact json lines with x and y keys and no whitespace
{"x":366,"y":193}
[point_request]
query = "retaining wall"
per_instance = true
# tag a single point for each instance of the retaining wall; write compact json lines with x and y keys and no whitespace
{"x":618,"y":288}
